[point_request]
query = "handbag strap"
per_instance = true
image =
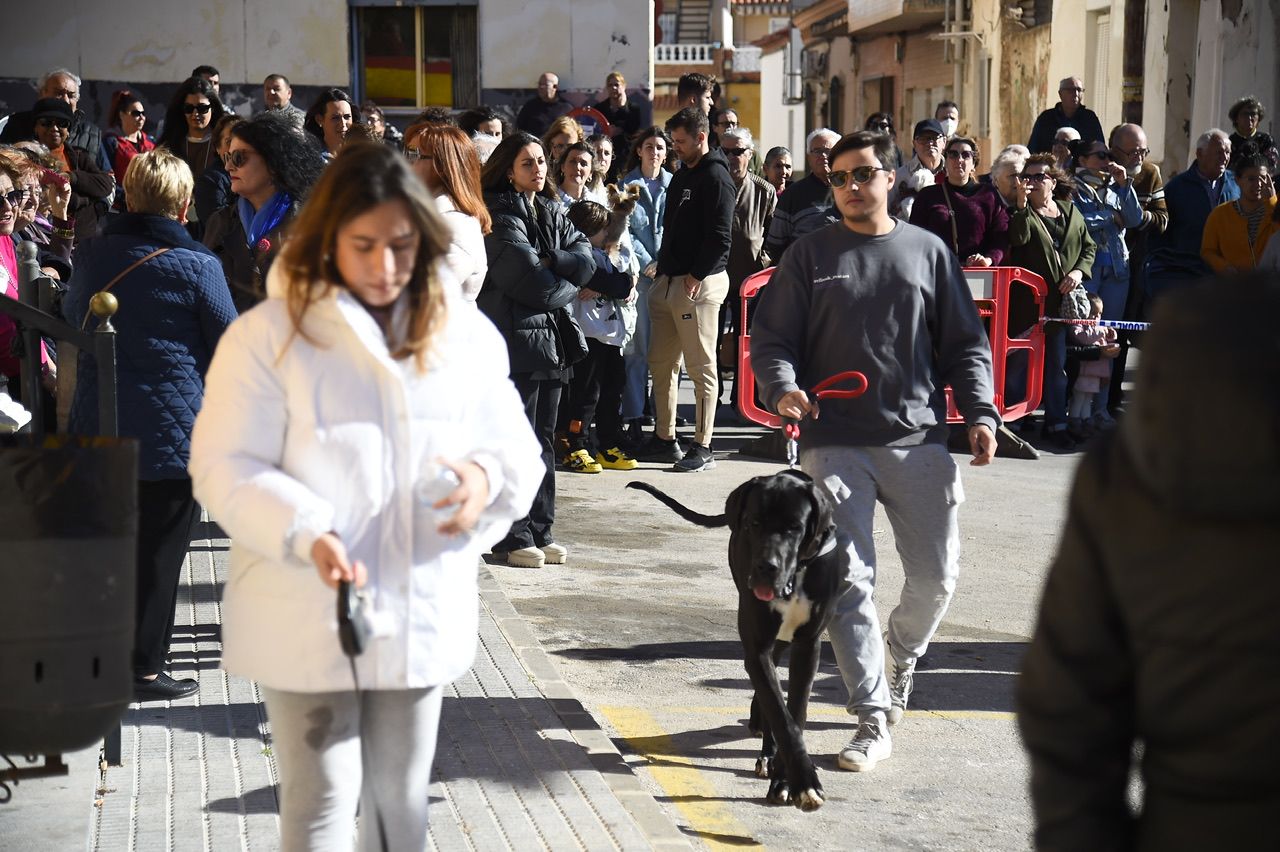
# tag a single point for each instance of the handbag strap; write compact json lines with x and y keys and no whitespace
{"x":114,"y":281}
{"x":955,"y":235}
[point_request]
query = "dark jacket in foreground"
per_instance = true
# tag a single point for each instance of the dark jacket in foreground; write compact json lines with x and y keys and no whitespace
{"x":527,"y":300}
{"x":1158,"y":624}
{"x":244,"y":266}
{"x":698,"y":224}
{"x":173,"y":310}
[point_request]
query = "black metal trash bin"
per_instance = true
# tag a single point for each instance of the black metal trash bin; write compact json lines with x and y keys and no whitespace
{"x":68,"y":563}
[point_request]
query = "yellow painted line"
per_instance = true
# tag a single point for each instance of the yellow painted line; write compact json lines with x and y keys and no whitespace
{"x":832,"y":712}
{"x":690,"y":791}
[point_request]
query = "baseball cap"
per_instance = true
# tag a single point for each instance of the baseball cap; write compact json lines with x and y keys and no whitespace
{"x":929,"y":125}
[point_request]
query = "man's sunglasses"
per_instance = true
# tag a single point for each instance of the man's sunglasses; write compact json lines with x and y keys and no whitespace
{"x":200,"y":108}
{"x":736,"y":152}
{"x":236,"y":159}
{"x":61,"y":123}
{"x":861,"y":175}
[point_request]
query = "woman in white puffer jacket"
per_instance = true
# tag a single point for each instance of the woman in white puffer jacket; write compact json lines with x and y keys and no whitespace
{"x":323,"y":407}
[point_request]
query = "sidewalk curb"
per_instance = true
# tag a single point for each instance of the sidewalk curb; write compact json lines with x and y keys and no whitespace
{"x":650,"y":816}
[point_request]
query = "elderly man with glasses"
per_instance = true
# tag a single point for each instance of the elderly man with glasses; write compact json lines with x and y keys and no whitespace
{"x":876,"y":294}
{"x":1070,"y":111}
{"x":806,"y":206}
{"x":921,"y":170}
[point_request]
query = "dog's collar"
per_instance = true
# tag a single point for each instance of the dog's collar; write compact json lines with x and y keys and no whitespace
{"x":828,"y":544}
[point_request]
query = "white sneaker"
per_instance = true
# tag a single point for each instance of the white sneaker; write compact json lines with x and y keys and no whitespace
{"x":900,"y":685}
{"x":870,"y":745}
{"x":525,"y":557}
{"x":555,"y":554}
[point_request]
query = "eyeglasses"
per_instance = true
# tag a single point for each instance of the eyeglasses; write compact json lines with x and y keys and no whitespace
{"x":953,"y":154}
{"x":137,"y":113}
{"x":1038,"y":177}
{"x":200,"y":108}
{"x":727,"y":122}
{"x":60,"y":123}
{"x":237,"y":159}
{"x":1062,"y":140}
{"x":736,"y":152}
{"x":861,"y":175}
{"x":820,"y":152}
{"x":14,"y":198}
{"x":1136,"y":152}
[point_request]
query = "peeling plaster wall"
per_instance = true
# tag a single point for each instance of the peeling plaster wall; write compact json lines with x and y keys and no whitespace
{"x":1025,"y":88}
{"x":147,"y":42}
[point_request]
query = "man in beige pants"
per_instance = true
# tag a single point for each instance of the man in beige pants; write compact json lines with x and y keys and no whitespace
{"x":689,"y":287}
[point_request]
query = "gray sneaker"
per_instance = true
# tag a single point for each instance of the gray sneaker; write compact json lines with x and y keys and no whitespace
{"x":870,"y":745}
{"x":900,"y":683}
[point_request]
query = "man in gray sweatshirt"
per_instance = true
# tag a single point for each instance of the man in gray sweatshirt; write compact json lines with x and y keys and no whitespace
{"x":874,"y":294}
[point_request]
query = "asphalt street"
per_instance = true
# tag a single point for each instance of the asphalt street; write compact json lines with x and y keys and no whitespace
{"x":641,"y":623}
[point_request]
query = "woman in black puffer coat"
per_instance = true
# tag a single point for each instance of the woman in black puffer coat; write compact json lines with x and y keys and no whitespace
{"x":537,"y":262}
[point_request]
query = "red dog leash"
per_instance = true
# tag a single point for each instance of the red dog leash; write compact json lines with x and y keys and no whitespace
{"x":825,"y":389}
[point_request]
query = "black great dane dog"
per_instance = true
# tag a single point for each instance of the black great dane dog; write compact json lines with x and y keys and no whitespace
{"x":785,"y":564}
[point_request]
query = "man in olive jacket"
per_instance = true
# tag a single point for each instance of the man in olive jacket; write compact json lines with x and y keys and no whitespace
{"x":1158,"y":622}
{"x":690,"y":287}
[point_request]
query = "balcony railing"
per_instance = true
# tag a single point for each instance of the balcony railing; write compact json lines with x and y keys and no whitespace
{"x":747,"y":58}
{"x":684,"y":54}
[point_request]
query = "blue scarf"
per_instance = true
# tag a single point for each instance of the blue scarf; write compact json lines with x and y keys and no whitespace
{"x":258,"y":225}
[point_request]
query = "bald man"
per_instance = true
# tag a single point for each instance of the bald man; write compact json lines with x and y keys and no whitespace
{"x":545,"y":107}
{"x":1070,"y":111}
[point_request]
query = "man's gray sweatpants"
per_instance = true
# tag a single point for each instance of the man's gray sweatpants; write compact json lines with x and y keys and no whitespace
{"x":335,"y":749}
{"x":921,"y":492}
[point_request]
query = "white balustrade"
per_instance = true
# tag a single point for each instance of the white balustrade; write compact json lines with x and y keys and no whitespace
{"x":683,"y":54}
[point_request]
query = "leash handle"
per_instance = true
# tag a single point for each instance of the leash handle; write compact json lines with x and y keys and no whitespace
{"x":826,"y":389}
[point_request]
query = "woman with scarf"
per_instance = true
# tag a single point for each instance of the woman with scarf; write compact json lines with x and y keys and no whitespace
{"x":273,"y":166}
{"x":537,"y":262}
{"x":967,"y":215}
{"x":1106,"y":198}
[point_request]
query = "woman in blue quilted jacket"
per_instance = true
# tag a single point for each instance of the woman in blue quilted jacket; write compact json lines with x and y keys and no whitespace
{"x":174,"y":305}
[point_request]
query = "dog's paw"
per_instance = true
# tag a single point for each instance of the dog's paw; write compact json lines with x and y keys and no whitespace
{"x":762,"y":768}
{"x":808,"y":800}
{"x":779,"y":793}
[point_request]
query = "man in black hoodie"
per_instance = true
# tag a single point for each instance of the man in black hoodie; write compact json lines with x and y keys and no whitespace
{"x":689,"y":287}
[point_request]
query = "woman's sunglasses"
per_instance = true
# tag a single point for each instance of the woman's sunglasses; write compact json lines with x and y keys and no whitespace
{"x":60,"y":123}
{"x":1038,"y":177}
{"x":137,"y":113}
{"x":880,"y":125}
{"x":200,"y":108}
{"x":953,"y":154}
{"x":861,"y":175}
{"x":237,"y":159}
{"x":14,"y":198}
{"x":413,"y":155}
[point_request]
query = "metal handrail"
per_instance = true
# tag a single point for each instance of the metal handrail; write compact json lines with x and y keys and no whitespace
{"x":34,"y":288}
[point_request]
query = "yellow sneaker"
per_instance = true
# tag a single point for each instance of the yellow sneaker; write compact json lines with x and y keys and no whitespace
{"x":580,"y":461}
{"x":616,"y":459}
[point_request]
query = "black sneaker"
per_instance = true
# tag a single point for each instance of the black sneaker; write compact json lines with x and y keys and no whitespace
{"x":1060,"y":441}
{"x":698,"y":458}
{"x":658,"y":450}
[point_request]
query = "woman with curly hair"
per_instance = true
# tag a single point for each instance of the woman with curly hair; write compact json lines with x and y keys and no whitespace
{"x":125,"y":138}
{"x":329,"y":119}
{"x":272,"y":167}
{"x":447,"y":162}
{"x":562,"y":133}
{"x":1246,"y":115}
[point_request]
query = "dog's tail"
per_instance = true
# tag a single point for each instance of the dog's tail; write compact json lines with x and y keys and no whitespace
{"x":680,"y":509}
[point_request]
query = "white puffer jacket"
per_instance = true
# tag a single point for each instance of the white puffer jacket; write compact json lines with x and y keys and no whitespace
{"x":297,"y":438}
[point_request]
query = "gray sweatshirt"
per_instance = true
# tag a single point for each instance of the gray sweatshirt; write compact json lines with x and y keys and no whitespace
{"x":894,"y":307}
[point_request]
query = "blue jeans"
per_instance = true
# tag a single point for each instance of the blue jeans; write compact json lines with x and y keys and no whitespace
{"x":1055,"y":376}
{"x":921,"y":493}
{"x":636,"y":389}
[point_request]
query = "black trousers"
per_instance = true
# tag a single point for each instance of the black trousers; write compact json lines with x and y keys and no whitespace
{"x":541,"y":399}
{"x":166,"y":513}
{"x":595,"y":393}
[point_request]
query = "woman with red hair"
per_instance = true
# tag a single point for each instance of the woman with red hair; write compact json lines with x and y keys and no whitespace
{"x":125,"y":137}
{"x":446,"y":161}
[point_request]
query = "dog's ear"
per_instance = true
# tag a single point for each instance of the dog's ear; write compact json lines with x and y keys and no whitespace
{"x":798,"y":474}
{"x":820,"y":521}
{"x":736,"y":502}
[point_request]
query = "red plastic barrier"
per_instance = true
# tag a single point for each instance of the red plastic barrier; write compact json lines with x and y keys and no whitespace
{"x":993,"y":290}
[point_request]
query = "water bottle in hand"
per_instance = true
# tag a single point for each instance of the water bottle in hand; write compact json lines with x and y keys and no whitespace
{"x":436,"y":482}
